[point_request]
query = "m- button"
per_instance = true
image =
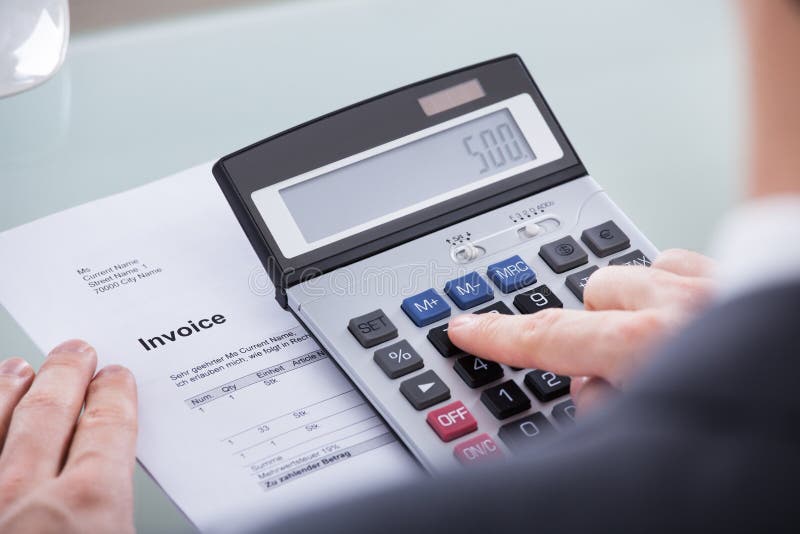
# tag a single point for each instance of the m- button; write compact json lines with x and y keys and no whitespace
{"x":452,"y":421}
{"x":372,"y":328}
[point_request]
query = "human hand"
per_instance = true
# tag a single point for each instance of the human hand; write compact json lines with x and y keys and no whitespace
{"x":627,"y":311}
{"x":60,"y":472}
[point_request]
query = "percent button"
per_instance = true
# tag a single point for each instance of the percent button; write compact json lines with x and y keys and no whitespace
{"x":398,"y":359}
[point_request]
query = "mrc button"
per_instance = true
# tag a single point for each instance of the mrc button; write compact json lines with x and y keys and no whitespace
{"x":469,"y":290}
{"x":563,"y":255}
{"x":452,"y":421}
{"x":426,"y":307}
{"x":372,"y":328}
{"x":605,"y":239}
{"x":511,"y":274}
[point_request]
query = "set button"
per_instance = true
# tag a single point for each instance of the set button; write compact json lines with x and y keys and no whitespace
{"x":511,"y":274}
{"x":468,"y":291}
{"x":426,"y":307}
{"x":452,"y":421}
{"x":372,"y":328}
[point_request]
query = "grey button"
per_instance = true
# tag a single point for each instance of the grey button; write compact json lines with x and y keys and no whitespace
{"x":564,"y":413}
{"x":425,"y":390}
{"x":398,"y":359}
{"x":372,"y":328}
{"x":605,"y":239}
{"x":576,"y":282}
{"x":564,"y":254}
{"x":636,"y":257}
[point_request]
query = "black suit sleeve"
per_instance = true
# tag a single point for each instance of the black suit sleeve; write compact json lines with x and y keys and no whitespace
{"x":707,"y":439}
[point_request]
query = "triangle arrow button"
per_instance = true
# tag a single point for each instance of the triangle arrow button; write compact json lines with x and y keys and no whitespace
{"x":425,"y":387}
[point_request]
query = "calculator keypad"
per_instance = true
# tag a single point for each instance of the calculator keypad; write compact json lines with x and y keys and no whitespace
{"x":501,"y":399}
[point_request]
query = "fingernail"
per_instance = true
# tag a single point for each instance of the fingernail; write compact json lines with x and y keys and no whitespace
{"x":462,"y":322}
{"x":15,"y":367}
{"x":112,"y":369}
{"x":73,"y":345}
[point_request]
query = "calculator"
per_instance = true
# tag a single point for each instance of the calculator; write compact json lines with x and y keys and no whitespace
{"x":381,"y":221}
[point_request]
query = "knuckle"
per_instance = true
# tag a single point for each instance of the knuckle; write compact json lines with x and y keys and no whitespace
{"x":86,"y":493}
{"x":43,"y":401}
{"x":108,"y":416}
{"x":641,"y":328}
{"x":691,"y":292}
{"x":537,"y":327}
{"x":12,"y":483}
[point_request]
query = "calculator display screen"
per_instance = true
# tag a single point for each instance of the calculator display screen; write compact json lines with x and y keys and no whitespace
{"x":456,"y":158}
{"x":406,"y":175}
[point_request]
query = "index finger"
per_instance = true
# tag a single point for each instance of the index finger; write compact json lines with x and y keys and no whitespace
{"x":605,"y":344}
{"x":105,"y":437}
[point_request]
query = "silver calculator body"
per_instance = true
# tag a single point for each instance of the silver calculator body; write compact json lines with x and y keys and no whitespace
{"x":380,"y":222}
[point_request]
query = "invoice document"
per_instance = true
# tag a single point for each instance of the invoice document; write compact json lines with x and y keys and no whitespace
{"x":242,"y":416}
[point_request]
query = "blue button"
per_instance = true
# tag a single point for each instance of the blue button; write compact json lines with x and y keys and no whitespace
{"x":426,"y":307}
{"x":469,"y":290}
{"x":511,"y":274}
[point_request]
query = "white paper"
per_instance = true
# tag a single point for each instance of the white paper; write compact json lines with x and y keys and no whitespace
{"x":242,"y":417}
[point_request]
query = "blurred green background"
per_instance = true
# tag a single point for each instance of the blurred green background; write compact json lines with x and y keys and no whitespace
{"x":651,"y":93}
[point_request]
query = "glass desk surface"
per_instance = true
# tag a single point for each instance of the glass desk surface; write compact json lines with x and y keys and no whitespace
{"x":651,"y":95}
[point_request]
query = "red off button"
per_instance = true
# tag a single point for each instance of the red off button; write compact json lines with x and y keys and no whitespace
{"x":452,"y":421}
{"x":478,"y":449}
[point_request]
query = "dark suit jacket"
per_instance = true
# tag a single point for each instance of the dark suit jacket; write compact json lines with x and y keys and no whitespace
{"x":706,"y":439}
